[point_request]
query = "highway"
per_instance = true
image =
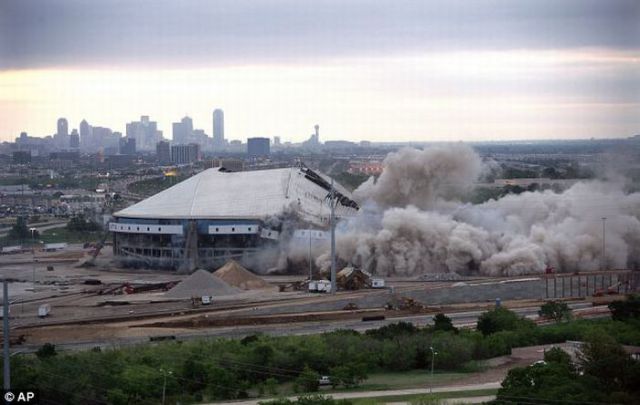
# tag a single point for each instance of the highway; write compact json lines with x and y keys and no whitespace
{"x":40,"y":228}
{"x":460,"y":319}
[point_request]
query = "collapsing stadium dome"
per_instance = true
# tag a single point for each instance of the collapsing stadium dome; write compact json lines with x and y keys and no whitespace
{"x":219,"y":215}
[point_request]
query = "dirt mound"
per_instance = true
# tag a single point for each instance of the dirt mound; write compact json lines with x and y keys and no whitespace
{"x":200,"y":283}
{"x":234,"y":274}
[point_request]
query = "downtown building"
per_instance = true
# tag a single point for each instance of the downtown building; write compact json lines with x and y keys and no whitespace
{"x":145,"y":132}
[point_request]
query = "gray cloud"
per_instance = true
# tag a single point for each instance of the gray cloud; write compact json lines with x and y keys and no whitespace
{"x":192,"y":32}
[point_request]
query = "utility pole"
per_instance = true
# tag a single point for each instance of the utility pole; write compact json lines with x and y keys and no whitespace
{"x":433,"y":360}
{"x":333,"y":241}
{"x":5,"y":334}
{"x":310,"y":266}
{"x":603,"y":259}
{"x":33,"y":255}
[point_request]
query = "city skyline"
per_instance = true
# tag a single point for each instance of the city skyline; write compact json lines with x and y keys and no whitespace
{"x":383,"y":71}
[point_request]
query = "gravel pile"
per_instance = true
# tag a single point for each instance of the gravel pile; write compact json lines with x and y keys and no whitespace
{"x":200,"y":283}
{"x":234,"y":274}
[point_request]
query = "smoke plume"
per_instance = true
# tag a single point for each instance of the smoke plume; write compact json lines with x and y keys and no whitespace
{"x":412,"y":222}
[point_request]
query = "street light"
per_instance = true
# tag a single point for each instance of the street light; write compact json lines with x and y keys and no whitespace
{"x":165,"y":373}
{"x":33,"y":254}
{"x":603,"y":261}
{"x":433,"y":360}
{"x":310,"y":265}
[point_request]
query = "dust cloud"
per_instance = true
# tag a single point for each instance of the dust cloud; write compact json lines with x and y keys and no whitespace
{"x":412,"y":222}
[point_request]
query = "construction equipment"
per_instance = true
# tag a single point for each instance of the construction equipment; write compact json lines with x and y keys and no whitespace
{"x":95,"y":251}
{"x":405,"y":304}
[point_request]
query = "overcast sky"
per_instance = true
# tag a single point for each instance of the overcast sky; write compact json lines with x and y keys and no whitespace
{"x":378,"y":70}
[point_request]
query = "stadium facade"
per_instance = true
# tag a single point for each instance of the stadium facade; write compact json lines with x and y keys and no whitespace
{"x":217,"y":215}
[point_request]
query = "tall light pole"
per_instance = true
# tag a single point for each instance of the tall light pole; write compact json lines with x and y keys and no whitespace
{"x":603,"y":258}
{"x":5,"y":334}
{"x":164,"y":384}
{"x":310,"y":268}
{"x":433,"y":361}
{"x":33,"y":254}
{"x":333,"y":241}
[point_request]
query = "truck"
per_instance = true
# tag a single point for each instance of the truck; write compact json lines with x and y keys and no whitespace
{"x":11,"y":249}
{"x":44,"y":310}
{"x":324,"y":381}
{"x":320,"y":286}
{"x":324,"y":286}
{"x":52,"y":247}
{"x":377,"y":283}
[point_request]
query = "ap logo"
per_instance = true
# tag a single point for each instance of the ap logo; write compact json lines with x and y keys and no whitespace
{"x":27,"y":397}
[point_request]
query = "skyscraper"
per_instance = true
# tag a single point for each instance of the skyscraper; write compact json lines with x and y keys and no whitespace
{"x":257,"y":147}
{"x":63,"y":127}
{"x":218,"y":128}
{"x":145,"y":132}
{"x":86,"y":141}
{"x":183,"y":131}
{"x":62,"y":134}
{"x":185,"y":154}
{"x":127,"y":146}
{"x":74,"y":139}
{"x":163,"y":152}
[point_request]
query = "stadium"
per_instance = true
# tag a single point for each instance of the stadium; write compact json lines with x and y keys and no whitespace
{"x":219,"y":215}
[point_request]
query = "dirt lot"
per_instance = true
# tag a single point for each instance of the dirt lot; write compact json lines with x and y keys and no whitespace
{"x":88,"y":304}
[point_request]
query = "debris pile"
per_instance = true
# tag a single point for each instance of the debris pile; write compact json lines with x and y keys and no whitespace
{"x":235,"y":275}
{"x":201,"y":283}
{"x":351,"y":278}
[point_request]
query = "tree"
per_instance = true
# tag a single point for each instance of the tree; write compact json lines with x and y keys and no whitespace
{"x":555,"y":310}
{"x":550,"y":172}
{"x":393,"y":330}
{"x":20,"y":230}
{"x":627,"y":309}
{"x":443,"y":323}
{"x":80,"y":223}
{"x":308,"y":380}
{"x":607,"y":374}
{"x":271,"y":385}
{"x":46,"y":351}
{"x":499,"y":319}
{"x":348,"y":375}
{"x":542,"y":382}
{"x":604,"y":359}
{"x":558,"y":356}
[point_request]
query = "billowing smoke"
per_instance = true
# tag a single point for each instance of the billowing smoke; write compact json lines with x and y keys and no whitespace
{"x":412,"y":222}
{"x":422,"y":177}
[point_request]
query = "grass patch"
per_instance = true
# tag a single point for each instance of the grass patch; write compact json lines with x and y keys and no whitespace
{"x":387,"y":381}
{"x":409,"y":379}
{"x":154,"y":185}
{"x":60,"y":235}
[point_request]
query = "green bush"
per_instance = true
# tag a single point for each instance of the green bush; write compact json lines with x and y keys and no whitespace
{"x":443,"y":323}
{"x":555,"y":310}
{"x":627,"y":309}
{"x":499,"y":319}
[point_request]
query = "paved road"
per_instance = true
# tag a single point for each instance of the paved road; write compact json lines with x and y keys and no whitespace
{"x":407,"y":391}
{"x":40,"y":228}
